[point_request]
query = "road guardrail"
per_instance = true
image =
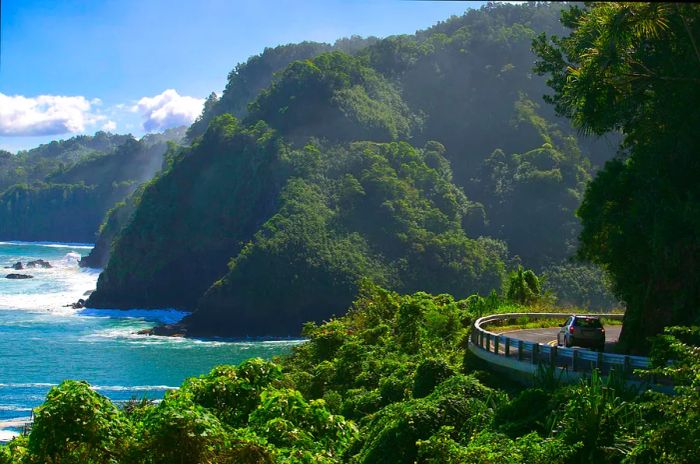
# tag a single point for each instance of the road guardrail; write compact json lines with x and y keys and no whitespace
{"x":524,"y":356}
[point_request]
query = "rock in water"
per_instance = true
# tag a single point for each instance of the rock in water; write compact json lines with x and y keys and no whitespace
{"x":17,"y":266}
{"x":40,"y":263}
{"x":18,"y":276}
{"x":166,"y":330}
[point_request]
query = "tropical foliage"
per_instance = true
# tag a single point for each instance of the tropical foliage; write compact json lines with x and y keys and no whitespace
{"x":634,"y":68}
{"x":389,"y":382}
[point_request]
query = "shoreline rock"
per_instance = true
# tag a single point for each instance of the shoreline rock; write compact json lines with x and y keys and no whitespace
{"x":18,"y":276}
{"x":39,"y":263}
{"x":166,"y":330}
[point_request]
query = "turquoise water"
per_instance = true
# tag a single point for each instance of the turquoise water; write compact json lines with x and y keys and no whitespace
{"x":42,"y":342}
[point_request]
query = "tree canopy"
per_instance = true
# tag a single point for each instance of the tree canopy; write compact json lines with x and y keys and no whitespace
{"x":635,"y":67}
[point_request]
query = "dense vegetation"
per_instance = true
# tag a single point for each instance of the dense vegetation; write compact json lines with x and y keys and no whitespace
{"x":248,"y":79}
{"x":310,"y":222}
{"x":62,"y":190}
{"x":34,"y":165}
{"x":340,"y":166}
{"x":389,"y":382}
{"x":635,"y":68}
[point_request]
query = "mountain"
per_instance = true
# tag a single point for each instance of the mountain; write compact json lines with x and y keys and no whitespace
{"x":34,"y":165}
{"x":421,"y":162}
{"x":73,"y":183}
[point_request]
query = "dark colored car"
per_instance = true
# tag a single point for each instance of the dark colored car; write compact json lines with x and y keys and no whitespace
{"x":585,"y":331}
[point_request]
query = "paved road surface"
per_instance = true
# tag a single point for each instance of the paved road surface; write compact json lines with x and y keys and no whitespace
{"x":549,"y":335}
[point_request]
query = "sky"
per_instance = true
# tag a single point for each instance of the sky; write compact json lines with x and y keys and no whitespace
{"x":74,"y":67}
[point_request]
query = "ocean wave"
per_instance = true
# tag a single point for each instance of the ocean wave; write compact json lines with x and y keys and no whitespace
{"x":15,"y":422}
{"x":116,"y":388}
{"x":51,"y":289}
{"x":12,"y":407}
{"x":83,"y":246}
{"x":94,"y":387}
{"x":27,"y":385}
{"x":163,"y":316}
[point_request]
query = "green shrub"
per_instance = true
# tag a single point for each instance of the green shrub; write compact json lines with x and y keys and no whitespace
{"x":233,"y":392}
{"x":179,"y":430}
{"x":76,"y":424}
{"x":430,"y":373}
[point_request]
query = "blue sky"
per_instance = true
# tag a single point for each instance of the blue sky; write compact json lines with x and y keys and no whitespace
{"x":71,"y":67}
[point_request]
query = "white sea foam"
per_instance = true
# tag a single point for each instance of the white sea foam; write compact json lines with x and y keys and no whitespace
{"x":10,"y":428}
{"x":7,"y":435}
{"x":27,"y":385}
{"x":12,"y":407}
{"x":116,"y":388}
{"x":94,"y":387}
{"x":83,"y":246}
{"x":50,"y":289}
{"x":163,"y":316}
{"x":14,"y":422}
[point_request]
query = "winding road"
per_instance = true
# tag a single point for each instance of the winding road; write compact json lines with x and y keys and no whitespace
{"x":548,"y":336}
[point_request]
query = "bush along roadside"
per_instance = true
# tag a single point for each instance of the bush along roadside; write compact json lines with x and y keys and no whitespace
{"x":389,"y":382}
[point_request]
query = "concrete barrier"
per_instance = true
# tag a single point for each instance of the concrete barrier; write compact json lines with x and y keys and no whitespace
{"x":522,"y":360}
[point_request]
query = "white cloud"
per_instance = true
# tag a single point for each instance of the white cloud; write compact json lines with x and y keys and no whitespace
{"x":169,"y":109}
{"x":109,"y":126}
{"x":45,"y":114}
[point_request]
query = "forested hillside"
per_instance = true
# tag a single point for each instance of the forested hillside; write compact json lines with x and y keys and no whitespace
{"x":421,"y":161}
{"x":63,"y":190}
{"x":34,"y":165}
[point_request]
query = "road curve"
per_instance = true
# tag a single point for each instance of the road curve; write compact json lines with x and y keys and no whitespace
{"x":549,"y":335}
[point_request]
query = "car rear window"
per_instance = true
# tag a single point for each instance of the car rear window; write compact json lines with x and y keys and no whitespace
{"x":588,"y":323}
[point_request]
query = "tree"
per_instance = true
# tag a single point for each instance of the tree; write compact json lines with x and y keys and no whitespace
{"x":524,"y":287}
{"x":635,"y":68}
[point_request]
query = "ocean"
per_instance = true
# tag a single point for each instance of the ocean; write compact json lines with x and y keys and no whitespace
{"x":43,"y":342}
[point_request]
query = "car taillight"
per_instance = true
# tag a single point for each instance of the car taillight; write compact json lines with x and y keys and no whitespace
{"x":571,"y":329}
{"x":602,"y":329}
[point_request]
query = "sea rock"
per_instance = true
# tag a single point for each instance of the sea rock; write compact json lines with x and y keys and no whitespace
{"x":39,"y":263}
{"x":166,"y":330}
{"x":18,"y":276}
{"x":17,"y":266}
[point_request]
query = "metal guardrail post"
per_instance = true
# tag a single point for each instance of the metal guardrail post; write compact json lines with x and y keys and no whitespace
{"x":627,"y":368}
{"x":553,"y":356}
{"x":599,"y":362}
{"x":506,"y":349}
{"x":496,"y":342}
{"x":520,"y":350}
{"x":535,"y":353}
{"x":488,"y":342}
{"x":574,"y":357}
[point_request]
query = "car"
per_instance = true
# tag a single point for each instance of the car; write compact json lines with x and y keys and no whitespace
{"x":585,"y":331}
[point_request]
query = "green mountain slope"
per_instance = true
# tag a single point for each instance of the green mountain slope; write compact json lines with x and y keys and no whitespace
{"x":273,"y":219}
{"x":70,"y":201}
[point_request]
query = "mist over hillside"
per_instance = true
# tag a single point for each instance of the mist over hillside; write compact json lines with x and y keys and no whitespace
{"x":61,"y":191}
